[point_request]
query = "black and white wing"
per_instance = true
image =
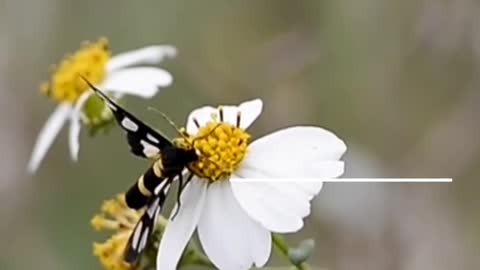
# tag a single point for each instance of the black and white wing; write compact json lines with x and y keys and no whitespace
{"x":143,"y":140}
{"x":143,"y":229}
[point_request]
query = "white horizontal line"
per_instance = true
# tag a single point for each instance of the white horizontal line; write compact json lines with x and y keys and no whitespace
{"x":348,"y":180}
{"x":389,"y":180}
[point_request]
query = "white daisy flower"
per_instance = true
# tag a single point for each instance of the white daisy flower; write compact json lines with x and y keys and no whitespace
{"x":117,"y":74}
{"x":234,"y":217}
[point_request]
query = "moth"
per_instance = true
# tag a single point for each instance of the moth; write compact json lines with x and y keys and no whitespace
{"x":151,"y":189}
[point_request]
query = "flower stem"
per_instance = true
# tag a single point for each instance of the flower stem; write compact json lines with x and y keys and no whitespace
{"x":282,"y":247}
{"x":193,"y":256}
{"x":202,"y":260}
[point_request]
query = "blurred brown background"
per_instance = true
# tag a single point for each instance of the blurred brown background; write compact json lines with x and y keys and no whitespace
{"x":397,"y":80}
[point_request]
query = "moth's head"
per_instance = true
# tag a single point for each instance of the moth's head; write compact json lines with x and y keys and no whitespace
{"x":192,"y":155}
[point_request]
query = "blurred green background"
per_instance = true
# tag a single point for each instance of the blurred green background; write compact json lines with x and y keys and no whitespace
{"x":397,"y":80}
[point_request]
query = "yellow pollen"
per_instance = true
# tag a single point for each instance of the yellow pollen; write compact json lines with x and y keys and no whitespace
{"x":90,"y":61}
{"x":221,"y":148}
{"x":110,"y":252}
{"x":114,"y":215}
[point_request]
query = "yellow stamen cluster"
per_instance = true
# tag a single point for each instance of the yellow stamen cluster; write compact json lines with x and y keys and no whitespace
{"x":90,"y":61}
{"x":221,"y":147}
{"x":116,"y":216}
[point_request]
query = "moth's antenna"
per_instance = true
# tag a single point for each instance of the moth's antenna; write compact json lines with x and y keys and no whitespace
{"x":208,"y":134}
{"x":179,"y":131}
{"x":184,"y":134}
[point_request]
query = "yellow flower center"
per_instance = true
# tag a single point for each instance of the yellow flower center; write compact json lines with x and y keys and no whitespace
{"x":220,"y":146}
{"x":116,"y":216}
{"x":90,"y":61}
{"x":110,"y":252}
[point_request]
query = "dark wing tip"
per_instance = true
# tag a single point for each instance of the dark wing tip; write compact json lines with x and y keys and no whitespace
{"x":130,"y":255}
{"x":142,"y":232}
{"x":95,"y":89}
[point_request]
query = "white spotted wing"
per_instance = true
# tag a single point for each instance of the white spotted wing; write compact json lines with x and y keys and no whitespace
{"x":143,"y":140}
{"x":145,"y":226}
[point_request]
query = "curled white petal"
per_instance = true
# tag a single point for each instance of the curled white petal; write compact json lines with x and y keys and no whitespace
{"x":229,"y":237}
{"x":75,"y":125}
{"x":278,"y":206}
{"x":48,"y":134}
{"x":141,"y":81}
{"x":148,"y":55}
{"x":179,"y":230}
{"x":296,"y":152}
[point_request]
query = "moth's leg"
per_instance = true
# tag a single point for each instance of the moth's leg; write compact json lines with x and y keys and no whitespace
{"x":188,"y":180}
{"x":179,"y":192}
{"x":181,"y":187}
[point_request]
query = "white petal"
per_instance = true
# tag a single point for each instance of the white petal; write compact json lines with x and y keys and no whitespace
{"x":248,"y":111}
{"x":230,"y":238}
{"x":297,"y":152}
{"x":278,"y":206}
{"x":148,"y":55}
{"x":260,"y":244}
{"x":179,"y":230}
{"x":308,"y":152}
{"x":281,"y":167}
{"x":141,"y":81}
{"x":199,"y":117}
{"x":305,"y":140}
{"x":48,"y":134}
{"x":75,"y":125}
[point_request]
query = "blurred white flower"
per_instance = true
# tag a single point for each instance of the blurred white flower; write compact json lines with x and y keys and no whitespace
{"x":77,"y":104}
{"x":234,"y":217}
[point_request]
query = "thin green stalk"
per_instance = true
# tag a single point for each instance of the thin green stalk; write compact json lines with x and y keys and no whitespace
{"x":282,"y":247}
{"x":193,"y":256}
{"x":202,"y":260}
